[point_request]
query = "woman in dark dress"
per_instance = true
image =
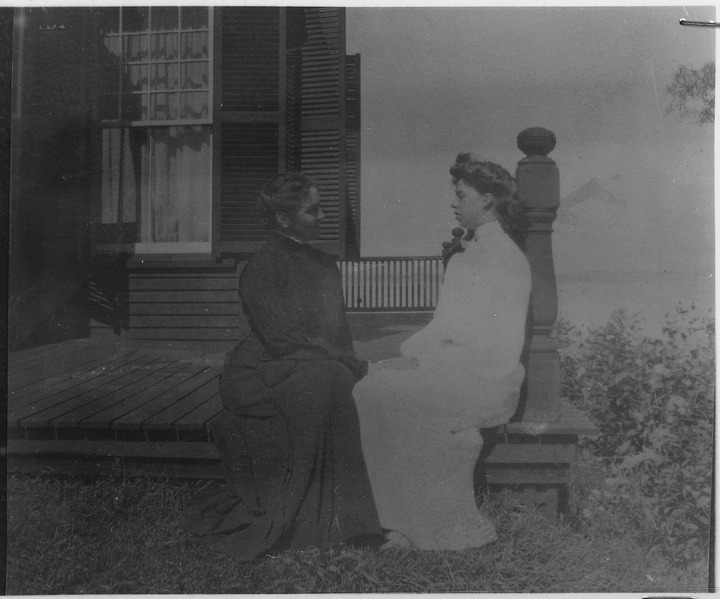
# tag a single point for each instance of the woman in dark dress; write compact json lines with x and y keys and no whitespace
{"x":289,"y":435}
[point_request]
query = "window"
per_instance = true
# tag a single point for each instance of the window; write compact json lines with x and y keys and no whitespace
{"x":155,"y":105}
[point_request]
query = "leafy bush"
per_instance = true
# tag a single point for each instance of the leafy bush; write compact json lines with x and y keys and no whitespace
{"x":653,"y":401}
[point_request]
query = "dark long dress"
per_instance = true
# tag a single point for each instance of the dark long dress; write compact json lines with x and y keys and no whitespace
{"x":289,"y":435}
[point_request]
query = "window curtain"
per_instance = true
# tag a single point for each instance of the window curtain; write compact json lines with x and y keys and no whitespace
{"x":180,"y":90}
{"x":159,"y":175}
{"x":168,"y":169}
{"x":119,"y":178}
{"x":179,"y":179}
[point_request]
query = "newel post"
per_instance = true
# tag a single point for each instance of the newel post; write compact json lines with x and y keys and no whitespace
{"x":538,"y":184}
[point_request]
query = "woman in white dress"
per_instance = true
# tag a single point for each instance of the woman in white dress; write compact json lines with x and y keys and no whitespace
{"x":420,"y":414}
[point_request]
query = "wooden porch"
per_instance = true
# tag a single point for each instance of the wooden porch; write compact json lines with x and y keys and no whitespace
{"x":124,"y":389}
{"x":116,"y":406}
{"x":83,"y":405}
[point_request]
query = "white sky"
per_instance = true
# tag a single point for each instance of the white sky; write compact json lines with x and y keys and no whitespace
{"x":437,"y":81}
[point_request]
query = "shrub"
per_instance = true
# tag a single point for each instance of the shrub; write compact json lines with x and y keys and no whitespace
{"x":653,"y":401}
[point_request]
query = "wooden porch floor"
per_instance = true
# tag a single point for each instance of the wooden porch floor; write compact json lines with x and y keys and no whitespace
{"x":105,"y":389}
{"x":120,"y":389}
{"x":78,"y":405}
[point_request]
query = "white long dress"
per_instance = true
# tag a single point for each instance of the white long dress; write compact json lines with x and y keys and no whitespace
{"x":419,"y":427}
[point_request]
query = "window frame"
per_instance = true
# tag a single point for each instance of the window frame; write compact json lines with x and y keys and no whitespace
{"x":179,"y":247}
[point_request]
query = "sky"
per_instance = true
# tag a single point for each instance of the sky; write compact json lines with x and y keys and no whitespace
{"x":437,"y":81}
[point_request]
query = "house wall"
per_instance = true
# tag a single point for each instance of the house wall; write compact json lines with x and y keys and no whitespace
{"x":280,"y":103}
{"x":50,"y":207}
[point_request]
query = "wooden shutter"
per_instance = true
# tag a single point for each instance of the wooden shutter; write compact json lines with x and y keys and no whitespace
{"x":252,"y":58}
{"x":318,"y":103}
{"x":352,"y":216}
{"x":282,"y":105}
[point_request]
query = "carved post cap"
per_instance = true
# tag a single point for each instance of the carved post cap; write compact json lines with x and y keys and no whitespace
{"x":536,"y":141}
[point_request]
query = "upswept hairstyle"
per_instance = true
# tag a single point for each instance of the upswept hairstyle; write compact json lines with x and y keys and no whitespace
{"x":284,"y":193}
{"x":488,"y":177}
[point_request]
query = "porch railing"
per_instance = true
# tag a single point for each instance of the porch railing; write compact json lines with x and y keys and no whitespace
{"x":391,"y":283}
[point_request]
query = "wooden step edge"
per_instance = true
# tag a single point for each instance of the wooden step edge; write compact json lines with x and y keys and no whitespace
{"x":533,"y":455}
{"x":170,"y":450}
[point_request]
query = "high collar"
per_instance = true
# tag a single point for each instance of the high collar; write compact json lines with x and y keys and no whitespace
{"x":287,"y":239}
{"x":488,"y":228}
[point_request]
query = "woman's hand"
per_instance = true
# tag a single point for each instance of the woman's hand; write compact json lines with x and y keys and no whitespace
{"x":402,"y":363}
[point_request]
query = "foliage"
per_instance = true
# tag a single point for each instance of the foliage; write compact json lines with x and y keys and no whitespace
{"x":692,"y":92}
{"x":653,"y":401}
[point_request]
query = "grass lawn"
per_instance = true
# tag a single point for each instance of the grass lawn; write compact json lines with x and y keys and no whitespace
{"x":71,"y":536}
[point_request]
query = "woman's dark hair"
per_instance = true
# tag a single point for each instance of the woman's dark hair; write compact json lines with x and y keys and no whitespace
{"x":488,"y":177}
{"x":284,"y":193}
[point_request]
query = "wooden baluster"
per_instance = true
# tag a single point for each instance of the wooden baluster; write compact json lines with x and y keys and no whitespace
{"x":538,"y":184}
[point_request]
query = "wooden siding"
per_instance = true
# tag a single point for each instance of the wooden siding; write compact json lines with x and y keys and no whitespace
{"x":184,"y":303}
{"x":198,"y":301}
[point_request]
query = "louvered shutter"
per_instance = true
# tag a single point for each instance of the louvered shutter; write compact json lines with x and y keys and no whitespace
{"x":282,"y":105}
{"x":316,"y":115}
{"x":352,"y":216}
{"x":250,"y":111}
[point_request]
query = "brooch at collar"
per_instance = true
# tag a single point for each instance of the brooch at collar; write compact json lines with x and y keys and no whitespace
{"x":450,"y":248}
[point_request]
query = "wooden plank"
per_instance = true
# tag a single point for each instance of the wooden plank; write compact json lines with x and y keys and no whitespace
{"x":135,"y":418}
{"x":200,"y":416}
{"x":509,"y":453}
{"x":97,"y":397}
{"x":100,"y":467}
{"x":65,"y":361}
{"x":184,"y":321}
{"x":572,"y":421}
{"x":219,"y":334}
{"x":185,"y":264}
{"x":157,"y":387}
{"x":528,"y":477}
{"x":129,"y":449}
{"x":37,"y":383}
{"x":190,"y":309}
{"x":34,"y":410}
{"x":200,"y":296}
{"x":197,"y":468}
{"x":68,"y":382}
{"x":195,"y":270}
{"x":165,"y":419}
{"x":142,"y":380}
{"x":186,"y":460}
{"x":175,"y":283}
{"x":51,"y":454}
{"x":33,"y":354}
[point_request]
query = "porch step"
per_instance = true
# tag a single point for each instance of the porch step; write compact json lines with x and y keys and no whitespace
{"x":508,"y":465}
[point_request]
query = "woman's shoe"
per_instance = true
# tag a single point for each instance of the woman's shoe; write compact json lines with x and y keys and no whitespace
{"x":397,"y":540}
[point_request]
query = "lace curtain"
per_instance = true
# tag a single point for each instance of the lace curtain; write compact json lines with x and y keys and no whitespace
{"x":163,"y":175}
{"x":163,"y":76}
{"x":156,"y":179}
